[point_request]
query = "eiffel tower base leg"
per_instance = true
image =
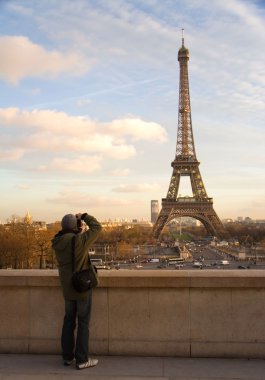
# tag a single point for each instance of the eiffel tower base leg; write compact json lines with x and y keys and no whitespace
{"x":200,"y":210}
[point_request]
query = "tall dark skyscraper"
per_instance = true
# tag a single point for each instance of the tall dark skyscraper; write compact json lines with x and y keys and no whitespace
{"x":154,"y":210}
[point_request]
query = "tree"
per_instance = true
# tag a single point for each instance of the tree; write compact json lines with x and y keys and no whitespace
{"x":13,"y":246}
{"x":43,"y":247}
{"x":23,"y":244}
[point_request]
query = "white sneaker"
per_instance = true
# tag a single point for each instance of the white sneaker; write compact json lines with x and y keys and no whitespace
{"x":88,"y":364}
{"x":68,"y":362}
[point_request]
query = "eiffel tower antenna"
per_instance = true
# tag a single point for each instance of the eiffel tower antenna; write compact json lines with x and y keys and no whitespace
{"x":199,"y":206}
{"x":182,"y":32}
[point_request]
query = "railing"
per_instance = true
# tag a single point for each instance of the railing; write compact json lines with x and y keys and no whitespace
{"x":150,"y":313}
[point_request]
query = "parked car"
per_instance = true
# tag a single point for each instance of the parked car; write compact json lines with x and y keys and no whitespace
{"x":197,"y":264}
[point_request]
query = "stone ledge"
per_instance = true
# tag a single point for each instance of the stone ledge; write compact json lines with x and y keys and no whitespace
{"x":133,"y":278}
{"x":185,"y":313}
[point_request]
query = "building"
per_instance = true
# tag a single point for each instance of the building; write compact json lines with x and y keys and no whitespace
{"x":154,"y":210}
{"x":28,"y":218}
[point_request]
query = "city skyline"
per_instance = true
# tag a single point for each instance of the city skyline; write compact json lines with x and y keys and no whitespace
{"x":89,"y":105}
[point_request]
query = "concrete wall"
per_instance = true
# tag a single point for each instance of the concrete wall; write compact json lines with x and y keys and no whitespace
{"x":204,"y":313}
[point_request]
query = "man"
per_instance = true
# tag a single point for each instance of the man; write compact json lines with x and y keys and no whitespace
{"x":76,"y":304}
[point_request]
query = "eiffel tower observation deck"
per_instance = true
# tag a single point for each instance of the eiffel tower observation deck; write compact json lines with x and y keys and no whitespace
{"x":199,"y":205}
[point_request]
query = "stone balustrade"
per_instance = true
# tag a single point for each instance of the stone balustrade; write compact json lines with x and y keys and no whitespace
{"x":204,"y":313}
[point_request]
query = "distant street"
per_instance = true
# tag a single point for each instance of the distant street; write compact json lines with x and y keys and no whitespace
{"x":203,"y":257}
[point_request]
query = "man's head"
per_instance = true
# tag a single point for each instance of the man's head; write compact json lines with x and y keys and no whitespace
{"x":69,"y":222}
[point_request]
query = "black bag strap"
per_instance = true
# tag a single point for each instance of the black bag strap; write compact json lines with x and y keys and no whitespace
{"x":88,"y":259}
{"x":73,"y":253}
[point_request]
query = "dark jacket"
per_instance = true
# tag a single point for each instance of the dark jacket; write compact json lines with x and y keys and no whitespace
{"x":62,"y":245}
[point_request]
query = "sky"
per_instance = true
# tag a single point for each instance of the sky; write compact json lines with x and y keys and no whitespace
{"x":89,"y":104}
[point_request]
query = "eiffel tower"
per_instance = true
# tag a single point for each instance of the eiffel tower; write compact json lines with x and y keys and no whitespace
{"x":199,"y":206}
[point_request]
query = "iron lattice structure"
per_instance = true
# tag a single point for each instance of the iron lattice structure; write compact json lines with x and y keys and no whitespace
{"x":199,"y":206}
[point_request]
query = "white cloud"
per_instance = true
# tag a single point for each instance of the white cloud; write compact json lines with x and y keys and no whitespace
{"x":136,"y":188}
{"x":89,"y":142}
{"x":122,"y":152}
{"x":11,"y":154}
{"x":106,"y":30}
{"x":85,"y":164}
{"x":20,"y":9}
{"x":23,"y":186}
{"x":246,"y":12}
{"x":87,"y":202}
{"x":48,"y":131}
{"x":138,"y":129}
{"x":46,"y":120}
{"x":35,"y":60}
{"x":121,"y":172}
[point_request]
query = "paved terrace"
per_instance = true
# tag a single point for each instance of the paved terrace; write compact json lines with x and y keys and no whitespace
{"x":49,"y":367}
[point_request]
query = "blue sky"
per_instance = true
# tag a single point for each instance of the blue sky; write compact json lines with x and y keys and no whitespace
{"x":89,"y":104}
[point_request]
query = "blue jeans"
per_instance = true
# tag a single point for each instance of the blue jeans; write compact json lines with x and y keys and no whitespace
{"x":76,"y":349}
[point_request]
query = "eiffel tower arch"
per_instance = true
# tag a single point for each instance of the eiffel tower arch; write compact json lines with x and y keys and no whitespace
{"x":185,"y":164}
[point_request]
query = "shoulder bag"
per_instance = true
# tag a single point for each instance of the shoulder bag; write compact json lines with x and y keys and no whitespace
{"x":85,"y":279}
